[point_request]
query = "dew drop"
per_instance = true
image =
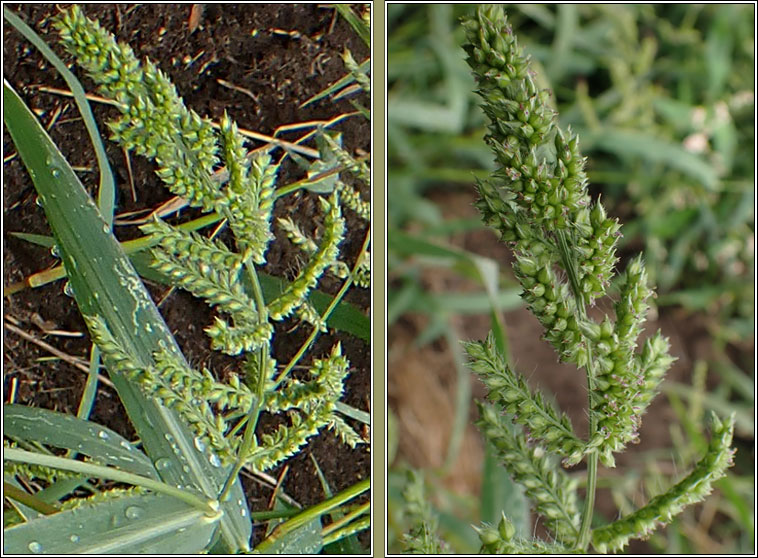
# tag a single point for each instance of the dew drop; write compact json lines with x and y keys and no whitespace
{"x":126,"y":445}
{"x":243,"y":512}
{"x":199,"y":444}
{"x":38,"y":201}
{"x":103,"y":435}
{"x":133,"y":512}
{"x":215,"y":461}
{"x":74,"y":538}
{"x":169,"y":437}
{"x":35,"y":547}
{"x":68,"y":290}
{"x":163,"y":463}
{"x":55,"y":251}
{"x":55,"y":171}
{"x":106,"y":228}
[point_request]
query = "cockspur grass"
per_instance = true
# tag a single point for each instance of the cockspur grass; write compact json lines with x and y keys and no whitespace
{"x":197,"y":433}
{"x":564,"y":245}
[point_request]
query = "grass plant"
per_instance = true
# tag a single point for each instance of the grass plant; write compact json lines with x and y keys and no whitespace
{"x":524,"y":218}
{"x":196,"y":432}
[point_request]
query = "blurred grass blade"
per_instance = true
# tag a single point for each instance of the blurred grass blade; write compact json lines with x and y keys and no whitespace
{"x":65,"y":431}
{"x":625,"y":143}
{"x":107,"y":191}
{"x":500,"y":494}
{"x":134,"y":524}
{"x":105,"y":284}
{"x":485,"y":269}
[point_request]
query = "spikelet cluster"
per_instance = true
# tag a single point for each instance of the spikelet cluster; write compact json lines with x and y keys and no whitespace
{"x":423,"y":537}
{"x":540,"y":187}
{"x":296,"y":292}
{"x":170,"y":381}
{"x":502,"y":539}
{"x":690,"y":490}
{"x":563,"y":242}
{"x":155,"y":121}
{"x":310,"y":406}
{"x":553,"y":493}
{"x":510,"y":392}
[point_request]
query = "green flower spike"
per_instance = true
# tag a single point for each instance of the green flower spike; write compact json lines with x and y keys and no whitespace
{"x":690,"y":490}
{"x":564,"y":245}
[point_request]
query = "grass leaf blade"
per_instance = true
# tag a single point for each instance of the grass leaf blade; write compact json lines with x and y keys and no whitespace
{"x":33,"y":424}
{"x":135,"y":524}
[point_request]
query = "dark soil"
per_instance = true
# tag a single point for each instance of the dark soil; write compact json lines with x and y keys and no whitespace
{"x":283,"y":55}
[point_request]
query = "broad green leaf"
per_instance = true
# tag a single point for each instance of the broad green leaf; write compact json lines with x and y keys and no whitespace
{"x":306,"y":539}
{"x":132,"y":524}
{"x":33,"y":424}
{"x":105,"y":284}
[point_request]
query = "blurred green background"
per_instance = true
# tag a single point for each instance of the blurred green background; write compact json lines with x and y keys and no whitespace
{"x":662,"y":98}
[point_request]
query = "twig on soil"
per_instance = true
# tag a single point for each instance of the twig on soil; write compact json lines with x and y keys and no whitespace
{"x":57,"y":352}
{"x":229,"y":85}
{"x":279,"y":482}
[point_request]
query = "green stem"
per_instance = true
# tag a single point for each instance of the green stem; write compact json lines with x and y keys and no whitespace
{"x":589,"y":502}
{"x":567,"y":257}
{"x":30,"y":500}
{"x":210,"y":507}
{"x":351,"y":529}
{"x":313,"y":512}
{"x":260,"y":383}
{"x":347,"y":519}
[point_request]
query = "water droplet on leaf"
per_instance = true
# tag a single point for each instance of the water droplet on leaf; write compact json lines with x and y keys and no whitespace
{"x":199,"y":444}
{"x":35,"y":547}
{"x":133,"y":512}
